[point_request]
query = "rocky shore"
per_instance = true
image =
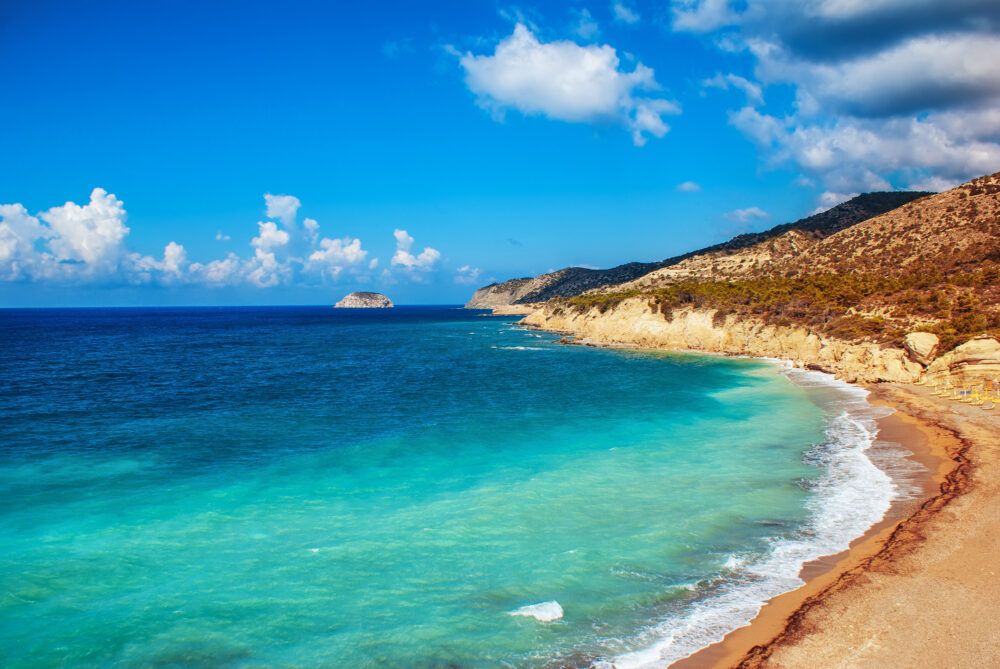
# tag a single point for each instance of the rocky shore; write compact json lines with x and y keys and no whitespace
{"x":634,"y":322}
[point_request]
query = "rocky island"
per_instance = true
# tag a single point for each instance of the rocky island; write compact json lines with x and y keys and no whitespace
{"x":364,"y":300}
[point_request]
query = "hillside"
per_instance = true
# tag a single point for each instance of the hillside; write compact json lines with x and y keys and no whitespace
{"x":562,"y":283}
{"x":932,"y":265}
{"x":789,"y":239}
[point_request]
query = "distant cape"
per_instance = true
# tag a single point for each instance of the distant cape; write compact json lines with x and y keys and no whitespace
{"x":363,"y":300}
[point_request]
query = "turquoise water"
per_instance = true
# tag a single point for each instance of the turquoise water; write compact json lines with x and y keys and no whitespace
{"x":263,"y":487}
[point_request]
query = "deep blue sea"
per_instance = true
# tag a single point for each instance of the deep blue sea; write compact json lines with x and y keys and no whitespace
{"x":415,"y":487}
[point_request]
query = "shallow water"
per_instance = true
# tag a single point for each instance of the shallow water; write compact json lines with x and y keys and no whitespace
{"x":350,"y":488}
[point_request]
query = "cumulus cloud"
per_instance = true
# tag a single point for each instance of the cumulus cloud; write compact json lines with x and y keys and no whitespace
{"x":334,"y":255}
{"x":624,"y":13}
{"x":142,"y":269}
{"x":688,"y":187}
{"x":467,"y":275}
{"x":223,"y":272}
{"x":269,"y":237}
{"x":567,"y":82}
{"x":92,"y":234}
{"x":282,"y":207}
{"x":746,"y":215}
{"x":888,"y":93}
{"x":221,"y":237}
{"x":67,"y":242}
{"x":88,"y":244}
{"x":19,"y":232}
{"x":403,"y":259}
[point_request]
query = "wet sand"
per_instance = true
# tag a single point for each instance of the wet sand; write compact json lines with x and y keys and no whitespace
{"x":920,"y":588}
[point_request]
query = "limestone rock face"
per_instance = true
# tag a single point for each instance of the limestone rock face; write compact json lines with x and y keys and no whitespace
{"x":921,"y":346}
{"x":364,"y":300}
{"x":634,"y":321}
{"x":972,"y":362}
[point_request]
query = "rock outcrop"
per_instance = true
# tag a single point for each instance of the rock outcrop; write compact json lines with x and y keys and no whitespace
{"x":922,"y":347}
{"x":635,"y":322}
{"x":364,"y":300}
{"x":974,"y":361}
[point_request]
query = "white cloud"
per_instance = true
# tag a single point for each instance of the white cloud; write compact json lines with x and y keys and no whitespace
{"x":932,"y":72}
{"x":404,"y":242}
{"x":67,"y":243}
{"x":19,"y":233}
{"x":584,"y":26}
{"x":937,"y":184}
{"x":829,"y":199}
{"x":746,"y":215}
{"x":224,"y":272}
{"x":701,"y":16}
{"x":221,"y":237}
{"x":334,"y":255}
{"x":79,"y":244}
{"x":566,"y":82}
{"x":688,"y":187}
{"x":311,"y":228}
{"x":145,"y":269}
{"x":282,"y":207}
{"x":264,"y":270}
{"x":405,"y":260}
{"x":724,"y":82}
{"x":93,"y":234}
{"x":887,"y":93}
{"x":269,"y":237}
{"x":856,"y":154}
{"x":467,"y":275}
{"x":623,"y":13}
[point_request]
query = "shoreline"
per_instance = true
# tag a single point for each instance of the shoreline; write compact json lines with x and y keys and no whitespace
{"x":796,"y":627}
{"x":779,"y":619}
{"x":927,"y":596}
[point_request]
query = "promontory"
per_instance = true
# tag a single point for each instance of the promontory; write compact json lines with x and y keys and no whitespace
{"x":363,"y":300}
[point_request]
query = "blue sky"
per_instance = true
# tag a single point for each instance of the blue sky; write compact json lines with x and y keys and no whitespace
{"x":426,"y":149}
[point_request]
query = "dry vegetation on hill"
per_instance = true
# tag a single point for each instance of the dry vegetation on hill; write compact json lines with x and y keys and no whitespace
{"x":932,"y":265}
{"x":730,"y":258}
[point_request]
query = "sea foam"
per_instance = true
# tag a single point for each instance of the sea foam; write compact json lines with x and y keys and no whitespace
{"x":545,"y":612}
{"x":849,"y":497}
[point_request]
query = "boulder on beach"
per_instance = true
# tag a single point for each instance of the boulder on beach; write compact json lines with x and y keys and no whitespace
{"x":364,"y":300}
{"x":922,"y":347}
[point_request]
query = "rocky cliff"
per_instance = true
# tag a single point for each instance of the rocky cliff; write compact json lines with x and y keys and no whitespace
{"x":636,"y":322}
{"x":364,"y":300}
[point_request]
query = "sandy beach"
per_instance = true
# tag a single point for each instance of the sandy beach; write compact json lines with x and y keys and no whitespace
{"x":918,"y":589}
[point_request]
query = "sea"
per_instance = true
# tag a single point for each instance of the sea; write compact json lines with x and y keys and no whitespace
{"x":423,"y":486}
